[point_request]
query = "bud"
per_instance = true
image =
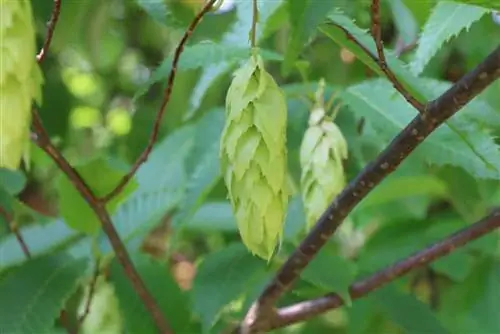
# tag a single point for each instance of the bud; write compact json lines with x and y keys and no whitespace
{"x":20,"y":80}
{"x":253,"y":156}
{"x":322,"y":152}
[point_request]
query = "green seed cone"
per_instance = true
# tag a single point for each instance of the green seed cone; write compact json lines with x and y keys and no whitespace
{"x":253,"y":156}
{"x":322,"y":152}
{"x":20,"y":80}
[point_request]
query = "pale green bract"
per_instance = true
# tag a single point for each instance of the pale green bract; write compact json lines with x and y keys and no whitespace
{"x":254,"y":156}
{"x":20,"y":80}
{"x":322,"y":152}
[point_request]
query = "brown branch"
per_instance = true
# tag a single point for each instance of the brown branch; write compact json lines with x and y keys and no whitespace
{"x":166,"y":98}
{"x":381,"y":61}
{"x":51,"y":26}
{"x":437,"y":112}
{"x":308,"y":309}
{"x":90,"y":296}
{"x":99,"y":208}
{"x":13,"y":228}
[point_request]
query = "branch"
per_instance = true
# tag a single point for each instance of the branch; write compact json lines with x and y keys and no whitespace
{"x":166,"y":98}
{"x":90,"y":296}
{"x":382,"y":63}
{"x":50,"y":31}
{"x":13,"y":228}
{"x":99,"y":208}
{"x":308,"y":309}
{"x":437,"y":112}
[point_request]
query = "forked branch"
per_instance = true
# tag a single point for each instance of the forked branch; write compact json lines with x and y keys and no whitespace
{"x":437,"y":112}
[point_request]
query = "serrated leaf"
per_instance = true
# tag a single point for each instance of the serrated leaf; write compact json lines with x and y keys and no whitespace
{"x":233,"y":38}
{"x":40,"y":238}
{"x":213,"y":216}
{"x":202,"y":55}
{"x":101,"y":178}
{"x":408,"y":312}
{"x":159,"y":281}
{"x":447,"y":20}
{"x":305,"y":16}
{"x":468,"y":147}
{"x":331,"y":273}
{"x":34,"y":294}
{"x":232,"y":268}
{"x":488,"y":4}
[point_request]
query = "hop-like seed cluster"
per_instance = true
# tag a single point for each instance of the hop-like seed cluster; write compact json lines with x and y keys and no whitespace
{"x":254,"y":157}
{"x":322,"y":152}
{"x":20,"y":80}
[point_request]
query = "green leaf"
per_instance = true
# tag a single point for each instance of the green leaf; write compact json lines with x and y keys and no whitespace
{"x":34,"y":294}
{"x":489,"y":4}
{"x":404,"y":20}
{"x":12,"y":181}
{"x":171,"y":300}
{"x":232,"y":39}
{"x":331,"y":273}
{"x":468,"y":146}
{"x":161,"y":187}
{"x":408,"y":312}
{"x":101,"y":178}
{"x":305,"y":16}
{"x":456,"y":265}
{"x":447,"y":20}
{"x":232,"y":268}
{"x":213,"y":216}
{"x":40,"y":238}
{"x":202,"y":55}
{"x":157,"y":9}
{"x":204,"y":163}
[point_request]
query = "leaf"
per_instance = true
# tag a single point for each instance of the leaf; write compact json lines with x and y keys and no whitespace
{"x":157,"y":278}
{"x":232,"y":267}
{"x":101,"y":178}
{"x":482,"y":3}
{"x":157,"y":9}
{"x":305,"y":16}
{"x":232,"y":39}
{"x":408,"y":312}
{"x":34,"y":294}
{"x":456,"y":265}
{"x":213,"y":216}
{"x":40,"y":238}
{"x":202,"y":55}
{"x":468,"y":146}
{"x":405,"y":21}
{"x":161,"y":187}
{"x":204,"y":163}
{"x":332,"y":273}
{"x":447,"y":20}
{"x":12,"y":181}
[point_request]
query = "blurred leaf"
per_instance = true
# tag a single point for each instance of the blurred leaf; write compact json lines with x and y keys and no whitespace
{"x":456,"y":265}
{"x":331,"y":273}
{"x":447,"y":20}
{"x":232,"y":267}
{"x":203,"y":55}
{"x":295,"y":219}
{"x":12,"y":181}
{"x":305,"y":16}
{"x":405,"y":21}
{"x":213,"y":216}
{"x":157,"y":9}
{"x":33,"y":295}
{"x":40,"y":238}
{"x":101,"y":178}
{"x":171,"y":300}
{"x":468,"y":147}
{"x":483,"y":3}
{"x":408,"y":312}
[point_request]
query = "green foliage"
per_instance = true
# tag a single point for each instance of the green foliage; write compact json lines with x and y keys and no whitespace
{"x":447,"y":20}
{"x":46,"y":285}
{"x":101,"y":178}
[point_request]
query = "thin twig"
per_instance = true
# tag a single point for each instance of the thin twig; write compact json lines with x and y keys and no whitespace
{"x":381,"y":61}
{"x":437,"y":112}
{"x":13,"y":228}
{"x":99,"y":208}
{"x":90,"y":296}
{"x":51,"y":26}
{"x":255,"y":20}
{"x":305,"y":310}
{"x":166,"y":98}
